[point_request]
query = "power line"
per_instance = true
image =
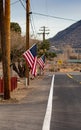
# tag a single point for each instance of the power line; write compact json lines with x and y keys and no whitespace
{"x":53,"y":16}
{"x":56,"y":17}
{"x":15,"y":2}
{"x":35,"y":13}
{"x":22,"y":4}
{"x":40,"y":13}
{"x":33,"y":28}
{"x":32,"y":24}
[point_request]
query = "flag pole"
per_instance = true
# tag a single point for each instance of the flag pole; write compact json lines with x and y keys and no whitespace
{"x":27,"y":35}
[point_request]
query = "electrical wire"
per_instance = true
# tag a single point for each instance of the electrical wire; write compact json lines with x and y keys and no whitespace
{"x":53,"y":16}
{"x":40,"y":14}
{"x":33,"y":27}
{"x":22,"y":4}
{"x":32,"y":24}
{"x":56,"y":17}
{"x":15,"y":2}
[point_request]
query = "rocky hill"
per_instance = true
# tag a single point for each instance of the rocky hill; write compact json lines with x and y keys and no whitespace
{"x":70,"y":36}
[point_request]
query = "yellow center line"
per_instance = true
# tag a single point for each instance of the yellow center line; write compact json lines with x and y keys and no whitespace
{"x":69,"y":76}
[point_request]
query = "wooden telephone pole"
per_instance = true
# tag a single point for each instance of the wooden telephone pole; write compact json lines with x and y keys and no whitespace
{"x":27,"y":33}
{"x":5,"y":44}
{"x":43,"y":32}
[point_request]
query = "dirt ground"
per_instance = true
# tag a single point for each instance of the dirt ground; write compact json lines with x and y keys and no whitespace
{"x":22,"y":90}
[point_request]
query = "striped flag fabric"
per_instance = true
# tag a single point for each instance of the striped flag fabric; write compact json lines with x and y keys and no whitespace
{"x":41,"y":61}
{"x":31,"y":58}
{"x":33,"y":71}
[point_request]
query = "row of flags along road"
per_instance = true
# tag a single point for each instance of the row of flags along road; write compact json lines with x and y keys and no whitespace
{"x":41,"y":61}
{"x":31,"y":58}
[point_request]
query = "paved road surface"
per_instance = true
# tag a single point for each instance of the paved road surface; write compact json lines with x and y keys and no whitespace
{"x":29,"y":114}
{"x":66,"y":113}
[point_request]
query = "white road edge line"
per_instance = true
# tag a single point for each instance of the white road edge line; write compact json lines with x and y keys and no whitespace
{"x":47,"y":118}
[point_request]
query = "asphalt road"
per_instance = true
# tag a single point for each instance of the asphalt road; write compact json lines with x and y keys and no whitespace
{"x":29,"y":113}
{"x":66,"y":113}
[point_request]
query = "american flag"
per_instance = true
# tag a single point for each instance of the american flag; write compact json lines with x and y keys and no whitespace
{"x":31,"y":58}
{"x":41,"y":61}
{"x":33,"y":70}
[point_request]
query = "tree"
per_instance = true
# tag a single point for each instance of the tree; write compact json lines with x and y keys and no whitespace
{"x":15,"y":27}
{"x":43,"y":48}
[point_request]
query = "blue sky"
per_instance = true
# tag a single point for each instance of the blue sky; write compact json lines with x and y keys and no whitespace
{"x":68,"y":9}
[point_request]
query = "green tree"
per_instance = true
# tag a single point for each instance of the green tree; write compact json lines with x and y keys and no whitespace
{"x":15,"y":27}
{"x":43,"y":48}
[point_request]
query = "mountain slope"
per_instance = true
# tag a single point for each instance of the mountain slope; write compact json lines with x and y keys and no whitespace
{"x":71,"y":36}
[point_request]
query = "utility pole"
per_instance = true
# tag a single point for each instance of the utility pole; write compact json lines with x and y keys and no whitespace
{"x":7,"y":50}
{"x":27,"y":34}
{"x":5,"y":44}
{"x":44,"y":32}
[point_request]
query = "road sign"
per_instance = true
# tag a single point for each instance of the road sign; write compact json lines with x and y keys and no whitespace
{"x":59,"y":62}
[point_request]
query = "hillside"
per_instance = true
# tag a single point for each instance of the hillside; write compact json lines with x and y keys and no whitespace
{"x":71,"y":36}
